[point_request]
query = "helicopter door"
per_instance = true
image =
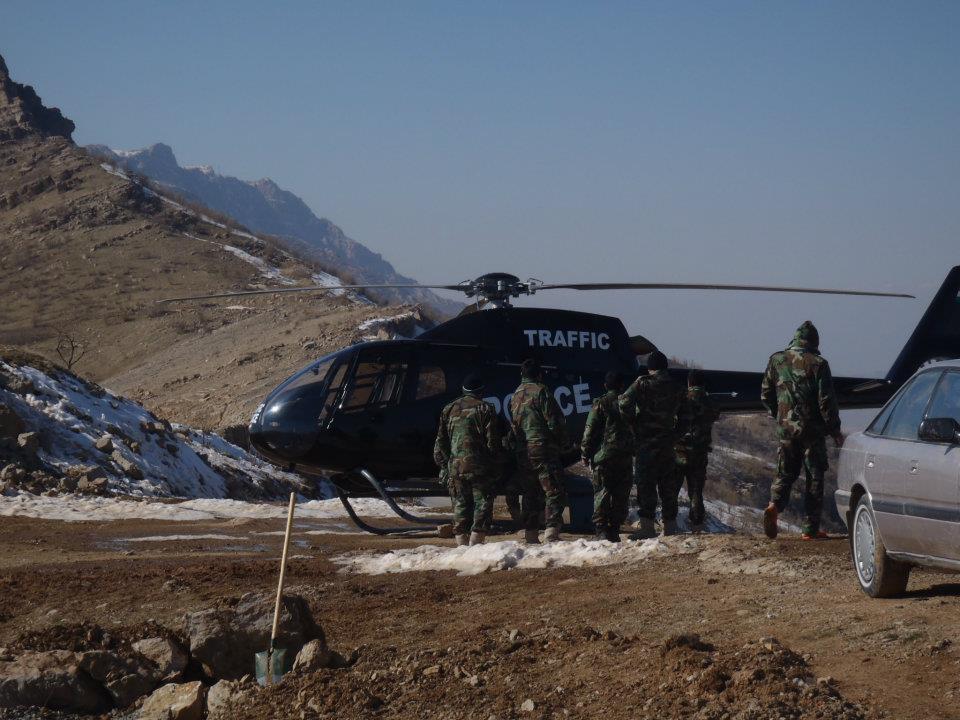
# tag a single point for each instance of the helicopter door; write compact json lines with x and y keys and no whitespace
{"x":370,"y":411}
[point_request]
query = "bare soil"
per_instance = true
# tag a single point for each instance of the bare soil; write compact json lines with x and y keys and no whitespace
{"x":587,"y":642}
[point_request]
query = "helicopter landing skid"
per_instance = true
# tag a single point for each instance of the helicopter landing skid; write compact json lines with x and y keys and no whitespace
{"x":392,"y":504}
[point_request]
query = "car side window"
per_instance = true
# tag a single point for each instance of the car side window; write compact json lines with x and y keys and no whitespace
{"x":906,"y":417}
{"x":876,"y":427}
{"x":946,"y":400}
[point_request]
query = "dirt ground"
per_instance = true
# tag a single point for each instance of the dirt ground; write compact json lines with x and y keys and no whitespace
{"x":577,"y":642}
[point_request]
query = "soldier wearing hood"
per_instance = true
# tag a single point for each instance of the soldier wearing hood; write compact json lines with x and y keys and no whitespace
{"x":798,"y":392}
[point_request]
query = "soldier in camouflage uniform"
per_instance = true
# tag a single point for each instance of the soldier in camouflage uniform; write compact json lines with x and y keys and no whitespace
{"x":798,"y":391}
{"x":651,"y":404}
{"x":695,"y":428}
{"x":469,"y":448}
{"x":540,"y":433}
{"x":607,"y":448}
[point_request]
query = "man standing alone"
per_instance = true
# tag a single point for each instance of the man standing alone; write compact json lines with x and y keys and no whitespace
{"x":798,"y":392}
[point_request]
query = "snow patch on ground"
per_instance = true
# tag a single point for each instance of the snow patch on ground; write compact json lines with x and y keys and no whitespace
{"x":79,"y":508}
{"x":510,"y":554}
{"x":173,"y":538}
{"x":266,"y":269}
{"x":371,"y":327}
{"x":114,"y":171}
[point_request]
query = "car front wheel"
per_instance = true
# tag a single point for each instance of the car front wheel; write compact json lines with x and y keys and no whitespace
{"x":879,"y":575}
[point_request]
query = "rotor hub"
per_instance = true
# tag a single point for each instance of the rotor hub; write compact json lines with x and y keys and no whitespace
{"x":497,"y":289}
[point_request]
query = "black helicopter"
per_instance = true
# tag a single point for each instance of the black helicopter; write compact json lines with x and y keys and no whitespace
{"x":366,"y":416}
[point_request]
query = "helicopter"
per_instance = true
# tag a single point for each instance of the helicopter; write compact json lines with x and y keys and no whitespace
{"x":365,"y":417}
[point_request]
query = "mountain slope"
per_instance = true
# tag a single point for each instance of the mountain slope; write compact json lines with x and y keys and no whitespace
{"x":86,"y":252}
{"x":265,"y":207}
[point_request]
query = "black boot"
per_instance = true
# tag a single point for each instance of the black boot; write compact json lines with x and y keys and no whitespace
{"x":613,"y":534}
{"x":601,"y":533}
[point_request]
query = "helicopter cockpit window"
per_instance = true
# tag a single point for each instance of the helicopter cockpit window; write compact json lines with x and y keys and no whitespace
{"x":430,"y":382}
{"x":333,"y":391}
{"x":374,"y":383}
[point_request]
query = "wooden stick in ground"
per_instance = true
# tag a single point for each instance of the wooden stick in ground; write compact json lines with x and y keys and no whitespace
{"x":283,"y":574}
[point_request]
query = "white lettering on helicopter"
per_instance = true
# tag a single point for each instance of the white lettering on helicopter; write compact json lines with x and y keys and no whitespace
{"x":583,"y":339}
{"x":570,"y":399}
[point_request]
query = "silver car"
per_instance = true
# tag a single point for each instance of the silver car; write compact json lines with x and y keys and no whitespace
{"x":899,"y":483}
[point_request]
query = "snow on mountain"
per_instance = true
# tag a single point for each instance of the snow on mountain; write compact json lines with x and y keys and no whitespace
{"x":85,"y":430}
{"x":265,"y":207}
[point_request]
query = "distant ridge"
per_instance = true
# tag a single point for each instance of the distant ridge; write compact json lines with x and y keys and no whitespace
{"x":265,"y":207}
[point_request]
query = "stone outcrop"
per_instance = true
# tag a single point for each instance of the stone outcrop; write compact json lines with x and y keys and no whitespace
{"x":22,"y":112}
{"x":175,"y":702}
{"x":224,"y":641}
{"x":53,"y":680}
{"x":166,"y":654}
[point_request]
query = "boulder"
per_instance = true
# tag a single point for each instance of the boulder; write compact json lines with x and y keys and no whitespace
{"x":175,"y":702}
{"x":315,"y":655}
{"x":13,"y":474}
{"x":126,"y":679}
{"x":129,"y":467}
{"x":10,"y":423}
{"x":93,"y":487}
{"x":224,"y":641}
{"x":225,"y":696}
{"x":167,"y":654}
{"x":53,"y":680}
{"x":28,"y":442}
{"x":105,"y":444}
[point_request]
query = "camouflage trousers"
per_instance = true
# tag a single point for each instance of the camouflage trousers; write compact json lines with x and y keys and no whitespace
{"x":655,"y":473}
{"x":810,"y":455}
{"x":611,"y":491}
{"x":472,"y":504}
{"x":543,"y":489}
{"x":692,"y":468}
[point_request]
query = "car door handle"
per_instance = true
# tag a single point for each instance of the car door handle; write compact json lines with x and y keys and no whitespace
{"x":871,"y":461}
{"x":914,"y":467}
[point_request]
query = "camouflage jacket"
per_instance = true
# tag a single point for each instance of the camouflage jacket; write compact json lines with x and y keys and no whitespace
{"x":651,"y":403}
{"x":468,"y":440}
{"x":536,"y":420}
{"x":607,"y":433}
{"x":695,"y":421}
{"x":797,"y":390}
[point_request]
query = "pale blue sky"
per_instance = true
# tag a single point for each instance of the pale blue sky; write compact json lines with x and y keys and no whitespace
{"x":770,"y":142}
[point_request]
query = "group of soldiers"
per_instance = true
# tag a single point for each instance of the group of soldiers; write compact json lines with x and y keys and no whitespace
{"x":655,"y":434}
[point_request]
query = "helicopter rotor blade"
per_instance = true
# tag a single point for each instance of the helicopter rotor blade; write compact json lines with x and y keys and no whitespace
{"x":309,"y":288}
{"x":704,"y":286}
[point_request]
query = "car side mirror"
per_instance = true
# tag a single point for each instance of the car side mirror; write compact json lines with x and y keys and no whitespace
{"x":941,"y":430}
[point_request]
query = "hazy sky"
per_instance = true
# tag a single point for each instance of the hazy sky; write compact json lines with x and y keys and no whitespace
{"x":807,"y":143}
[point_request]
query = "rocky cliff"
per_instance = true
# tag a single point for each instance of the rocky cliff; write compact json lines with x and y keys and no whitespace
{"x":265,"y":207}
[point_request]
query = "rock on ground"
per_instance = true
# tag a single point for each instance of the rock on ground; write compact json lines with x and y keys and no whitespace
{"x":53,"y":680}
{"x":315,"y":655}
{"x":183,"y":701}
{"x":167,"y":654}
{"x":223,"y":697}
{"x":225,"y":640}
{"x":126,"y":679}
